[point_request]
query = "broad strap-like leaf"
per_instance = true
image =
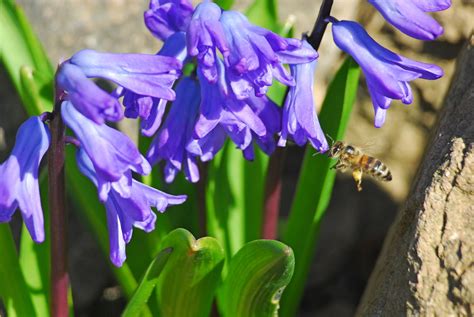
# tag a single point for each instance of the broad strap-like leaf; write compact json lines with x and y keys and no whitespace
{"x":234,"y":197}
{"x":189,"y":280}
{"x":256,"y":278}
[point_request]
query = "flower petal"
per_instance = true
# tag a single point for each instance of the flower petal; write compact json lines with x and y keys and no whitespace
{"x":19,"y":177}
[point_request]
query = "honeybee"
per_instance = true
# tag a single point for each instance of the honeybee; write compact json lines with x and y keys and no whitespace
{"x":351,"y":157}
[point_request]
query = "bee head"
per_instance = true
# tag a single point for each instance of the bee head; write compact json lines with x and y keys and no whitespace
{"x":336,"y":149}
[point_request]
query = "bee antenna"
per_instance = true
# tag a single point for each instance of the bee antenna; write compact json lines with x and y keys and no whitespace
{"x":331,"y":139}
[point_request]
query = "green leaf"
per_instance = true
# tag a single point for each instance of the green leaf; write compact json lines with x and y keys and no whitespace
{"x":21,"y":47}
{"x":234,"y":197}
{"x":147,"y":284}
{"x":257,"y":276}
{"x":13,"y":290}
{"x":37,"y":91}
{"x":265,"y":14}
{"x":225,"y":4}
{"x":315,"y":183}
{"x":188,"y":282}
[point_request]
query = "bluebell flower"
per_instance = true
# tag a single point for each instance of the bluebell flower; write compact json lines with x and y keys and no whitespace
{"x":19,"y":186}
{"x":271,"y":116}
{"x":151,"y":109}
{"x":113,"y":154}
{"x":220,"y":105}
{"x":149,"y":75}
{"x":170,"y":142}
{"x":125,"y":213}
{"x":166,"y":17}
{"x":387,"y":74}
{"x":208,"y":146}
{"x":244,"y":121}
{"x":86,"y":96}
{"x":409,"y":16}
{"x":204,"y":35}
{"x":300,"y":120}
{"x":257,"y":55}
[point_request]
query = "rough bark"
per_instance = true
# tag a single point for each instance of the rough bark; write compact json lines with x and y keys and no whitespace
{"x":426,"y":267}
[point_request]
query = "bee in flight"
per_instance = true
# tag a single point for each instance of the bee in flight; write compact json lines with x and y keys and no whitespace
{"x":351,"y":157}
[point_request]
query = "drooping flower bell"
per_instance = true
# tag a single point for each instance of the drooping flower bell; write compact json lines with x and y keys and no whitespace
{"x":244,"y":121}
{"x":19,"y":186}
{"x":387,"y":74}
{"x":257,"y":55}
{"x":204,"y":35}
{"x":87,"y":97}
{"x":410,"y":17}
{"x":166,"y":17}
{"x":151,"y":109}
{"x":170,"y":142}
{"x":112,"y":153}
{"x":300,"y":120}
{"x":124,"y":213}
{"x":150,"y":75}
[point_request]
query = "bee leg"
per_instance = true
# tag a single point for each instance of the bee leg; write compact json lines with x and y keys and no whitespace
{"x":339,"y":166}
{"x":357,"y":175}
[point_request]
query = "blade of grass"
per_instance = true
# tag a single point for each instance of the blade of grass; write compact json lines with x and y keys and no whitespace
{"x":315,"y":183}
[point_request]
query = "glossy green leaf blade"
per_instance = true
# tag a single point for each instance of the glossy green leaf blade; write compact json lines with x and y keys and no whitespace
{"x":20,"y":47}
{"x":37,"y":91}
{"x":147,"y":284}
{"x":315,"y":183}
{"x":13,"y":290}
{"x":225,"y":4}
{"x":188,"y":282}
{"x":234,"y":197}
{"x":256,"y":278}
{"x":264,"y":13}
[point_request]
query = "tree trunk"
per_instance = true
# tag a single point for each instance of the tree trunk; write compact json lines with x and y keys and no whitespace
{"x":426,"y":267}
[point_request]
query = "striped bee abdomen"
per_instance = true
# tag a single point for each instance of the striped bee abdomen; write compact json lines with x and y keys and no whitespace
{"x":375,"y":167}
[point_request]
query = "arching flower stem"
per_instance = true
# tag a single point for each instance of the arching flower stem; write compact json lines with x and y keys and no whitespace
{"x":57,"y":204}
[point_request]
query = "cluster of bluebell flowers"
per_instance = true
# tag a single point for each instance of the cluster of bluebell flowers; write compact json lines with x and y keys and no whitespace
{"x":190,"y":116}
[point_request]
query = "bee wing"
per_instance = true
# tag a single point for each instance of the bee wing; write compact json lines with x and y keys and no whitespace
{"x":373,"y":148}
